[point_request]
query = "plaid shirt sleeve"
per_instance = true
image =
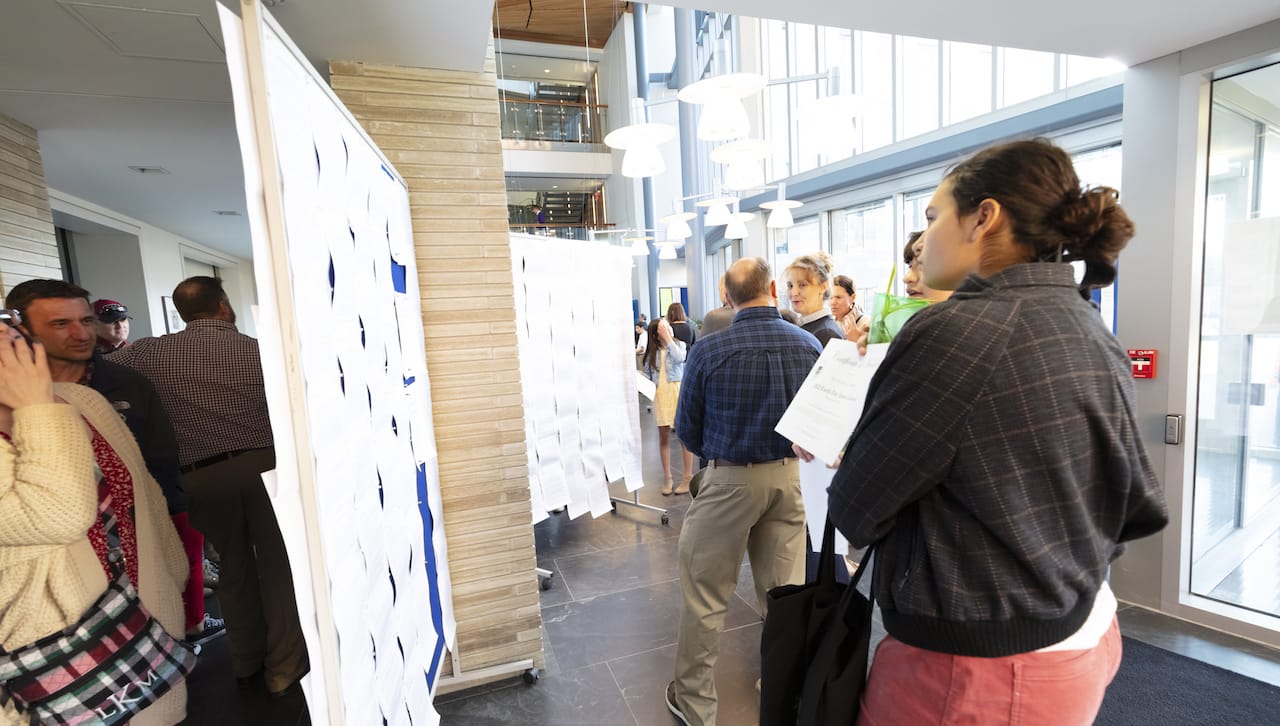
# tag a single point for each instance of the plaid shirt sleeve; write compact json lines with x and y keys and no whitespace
{"x":905,"y":442}
{"x":691,"y":409}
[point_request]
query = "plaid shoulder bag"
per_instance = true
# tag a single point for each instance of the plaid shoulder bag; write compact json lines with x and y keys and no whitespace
{"x":106,"y":668}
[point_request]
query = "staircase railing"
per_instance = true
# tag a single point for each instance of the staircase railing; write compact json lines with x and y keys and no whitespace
{"x":576,"y":123}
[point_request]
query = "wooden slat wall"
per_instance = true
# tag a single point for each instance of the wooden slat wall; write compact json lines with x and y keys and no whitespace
{"x":441,"y":130}
{"x":28,"y":248}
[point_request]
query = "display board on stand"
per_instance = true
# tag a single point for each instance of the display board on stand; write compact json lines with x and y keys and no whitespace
{"x":356,"y":489}
{"x":577,"y":368}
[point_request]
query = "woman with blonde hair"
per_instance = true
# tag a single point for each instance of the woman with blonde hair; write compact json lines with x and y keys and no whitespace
{"x":808,"y":289}
{"x":66,"y":456}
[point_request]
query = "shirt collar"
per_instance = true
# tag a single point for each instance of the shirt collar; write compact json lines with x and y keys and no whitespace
{"x":757,"y":312}
{"x":212,"y":324}
{"x":1031,"y":274}
{"x":823,"y":312}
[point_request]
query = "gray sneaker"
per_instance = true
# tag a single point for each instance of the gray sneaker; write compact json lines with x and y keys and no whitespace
{"x":674,"y":707}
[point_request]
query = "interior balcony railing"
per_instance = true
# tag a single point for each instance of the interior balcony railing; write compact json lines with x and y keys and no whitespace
{"x":558,"y":121}
{"x":563,"y":231}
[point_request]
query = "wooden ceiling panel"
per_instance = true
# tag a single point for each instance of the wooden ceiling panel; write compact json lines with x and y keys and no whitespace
{"x":558,"y":21}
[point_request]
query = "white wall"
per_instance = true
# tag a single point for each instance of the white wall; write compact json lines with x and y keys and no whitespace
{"x":110,"y":266}
{"x":161,"y":254}
{"x":672,"y":273}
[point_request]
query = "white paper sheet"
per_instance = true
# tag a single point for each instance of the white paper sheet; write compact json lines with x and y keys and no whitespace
{"x":829,"y":403}
{"x":815,"y":479}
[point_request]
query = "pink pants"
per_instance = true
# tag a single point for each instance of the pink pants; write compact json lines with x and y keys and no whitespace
{"x":914,"y":687}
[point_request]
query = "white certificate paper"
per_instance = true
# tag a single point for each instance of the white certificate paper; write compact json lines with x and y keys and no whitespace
{"x":829,"y":402}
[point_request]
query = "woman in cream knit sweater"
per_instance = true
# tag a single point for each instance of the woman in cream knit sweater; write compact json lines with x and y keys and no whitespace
{"x":49,"y":571}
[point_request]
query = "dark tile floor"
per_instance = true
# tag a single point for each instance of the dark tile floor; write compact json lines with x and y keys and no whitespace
{"x":610,"y":618}
{"x":609,"y":623}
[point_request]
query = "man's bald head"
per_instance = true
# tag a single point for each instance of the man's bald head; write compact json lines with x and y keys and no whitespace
{"x":747,"y":282}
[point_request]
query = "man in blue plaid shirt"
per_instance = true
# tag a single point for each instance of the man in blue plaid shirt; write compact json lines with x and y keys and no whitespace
{"x":736,"y":387}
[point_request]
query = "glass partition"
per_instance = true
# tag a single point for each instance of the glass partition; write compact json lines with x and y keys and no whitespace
{"x":575,"y":123}
{"x":1235,"y":532}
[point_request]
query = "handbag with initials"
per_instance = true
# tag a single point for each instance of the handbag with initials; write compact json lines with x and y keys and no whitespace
{"x":106,"y":668}
{"x":814,"y":647}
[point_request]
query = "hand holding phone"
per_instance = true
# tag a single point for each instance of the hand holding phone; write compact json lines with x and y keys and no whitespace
{"x":24,"y":371}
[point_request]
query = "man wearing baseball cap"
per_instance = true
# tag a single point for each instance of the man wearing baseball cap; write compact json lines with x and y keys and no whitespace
{"x":112,"y":325}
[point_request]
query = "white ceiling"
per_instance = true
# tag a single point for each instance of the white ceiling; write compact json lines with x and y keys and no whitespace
{"x":1130,"y":31}
{"x":115,"y":83}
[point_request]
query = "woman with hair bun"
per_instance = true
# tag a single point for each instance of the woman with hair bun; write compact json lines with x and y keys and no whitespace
{"x":1026,"y":469}
{"x":808,"y":289}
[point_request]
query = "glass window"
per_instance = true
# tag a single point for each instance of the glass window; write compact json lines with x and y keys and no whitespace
{"x":913,"y":206}
{"x":800,"y":238}
{"x":777,"y":118}
{"x":873,"y":80}
{"x":1101,"y":168}
{"x":967,"y":91}
{"x":863,"y":246}
{"x":1024,"y":74}
{"x":918,"y":92}
{"x":804,"y":62}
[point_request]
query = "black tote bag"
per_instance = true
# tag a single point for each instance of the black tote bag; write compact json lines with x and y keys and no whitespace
{"x":814,"y":647}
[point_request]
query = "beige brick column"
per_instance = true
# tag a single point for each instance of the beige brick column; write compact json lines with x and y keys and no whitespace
{"x":441,"y":130}
{"x":28,"y":249}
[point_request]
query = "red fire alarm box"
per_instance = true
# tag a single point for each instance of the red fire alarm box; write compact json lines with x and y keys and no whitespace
{"x":1143,"y":362}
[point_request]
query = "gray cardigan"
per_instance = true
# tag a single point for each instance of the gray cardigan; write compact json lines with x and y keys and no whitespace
{"x":999,"y":457}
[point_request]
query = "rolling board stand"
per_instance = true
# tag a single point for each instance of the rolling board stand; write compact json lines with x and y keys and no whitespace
{"x":634,"y":501}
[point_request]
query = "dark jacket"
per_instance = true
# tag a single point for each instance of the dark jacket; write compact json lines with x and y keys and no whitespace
{"x":683,"y":330}
{"x":135,"y":399}
{"x":999,"y":457}
{"x":825,"y":329}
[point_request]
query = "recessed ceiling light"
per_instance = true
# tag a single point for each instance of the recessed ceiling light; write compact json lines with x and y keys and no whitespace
{"x":149,"y":169}
{"x":555,"y":186}
{"x":546,"y":70}
{"x":226,"y":213}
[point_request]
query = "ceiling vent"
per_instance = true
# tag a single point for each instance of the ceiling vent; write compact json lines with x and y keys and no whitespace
{"x":144,"y":33}
{"x":226,"y":213}
{"x":149,"y":169}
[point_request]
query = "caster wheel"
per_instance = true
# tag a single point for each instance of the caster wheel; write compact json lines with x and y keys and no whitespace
{"x":532,"y":675}
{"x":546,"y":582}
{"x":666,"y":519}
{"x":614,"y":507}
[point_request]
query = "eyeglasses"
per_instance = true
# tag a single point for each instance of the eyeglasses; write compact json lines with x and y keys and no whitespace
{"x":113,"y":309}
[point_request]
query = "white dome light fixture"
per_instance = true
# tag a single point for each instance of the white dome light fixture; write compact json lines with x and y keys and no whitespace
{"x":744,"y":170}
{"x":717,"y":210}
{"x":640,"y":143}
{"x":666,"y":251}
{"x":780,"y":209}
{"x":678,"y":225}
{"x":833,"y":120}
{"x":737,"y":227}
{"x":723,"y":116}
{"x":639,"y":245}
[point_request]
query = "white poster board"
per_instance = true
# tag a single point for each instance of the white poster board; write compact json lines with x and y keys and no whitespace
{"x":357,"y":488}
{"x":577,"y":370}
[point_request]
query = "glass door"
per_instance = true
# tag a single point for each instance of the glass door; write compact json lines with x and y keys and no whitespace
{"x":1235,"y":536}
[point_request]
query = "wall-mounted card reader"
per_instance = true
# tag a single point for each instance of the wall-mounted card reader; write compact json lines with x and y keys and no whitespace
{"x":1173,"y":429}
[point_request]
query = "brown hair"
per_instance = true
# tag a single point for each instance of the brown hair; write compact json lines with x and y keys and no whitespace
{"x":199,"y":297}
{"x":651,"y":347}
{"x":818,"y":266}
{"x":909,"y":252}
{"x":844,"y":281}
{"x":25,"y":293}
{"x":747,"y":279}
{"x":675,"y":313}
{"x":1049,"y":214}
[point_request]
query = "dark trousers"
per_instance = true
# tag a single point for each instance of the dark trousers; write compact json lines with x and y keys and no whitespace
{"x":229,"y":503}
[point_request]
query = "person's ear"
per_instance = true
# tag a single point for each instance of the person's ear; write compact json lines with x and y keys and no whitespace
{"x":988,"y":219}
{"x":773,"y":289}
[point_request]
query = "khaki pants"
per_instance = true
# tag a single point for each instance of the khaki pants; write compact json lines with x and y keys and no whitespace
{"x":229,"y":503}
{"x":756,"y":510}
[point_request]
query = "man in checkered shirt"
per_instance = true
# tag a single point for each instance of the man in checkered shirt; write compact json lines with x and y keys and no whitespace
{"x":736,"y":386}
{"x":209,"y":377}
